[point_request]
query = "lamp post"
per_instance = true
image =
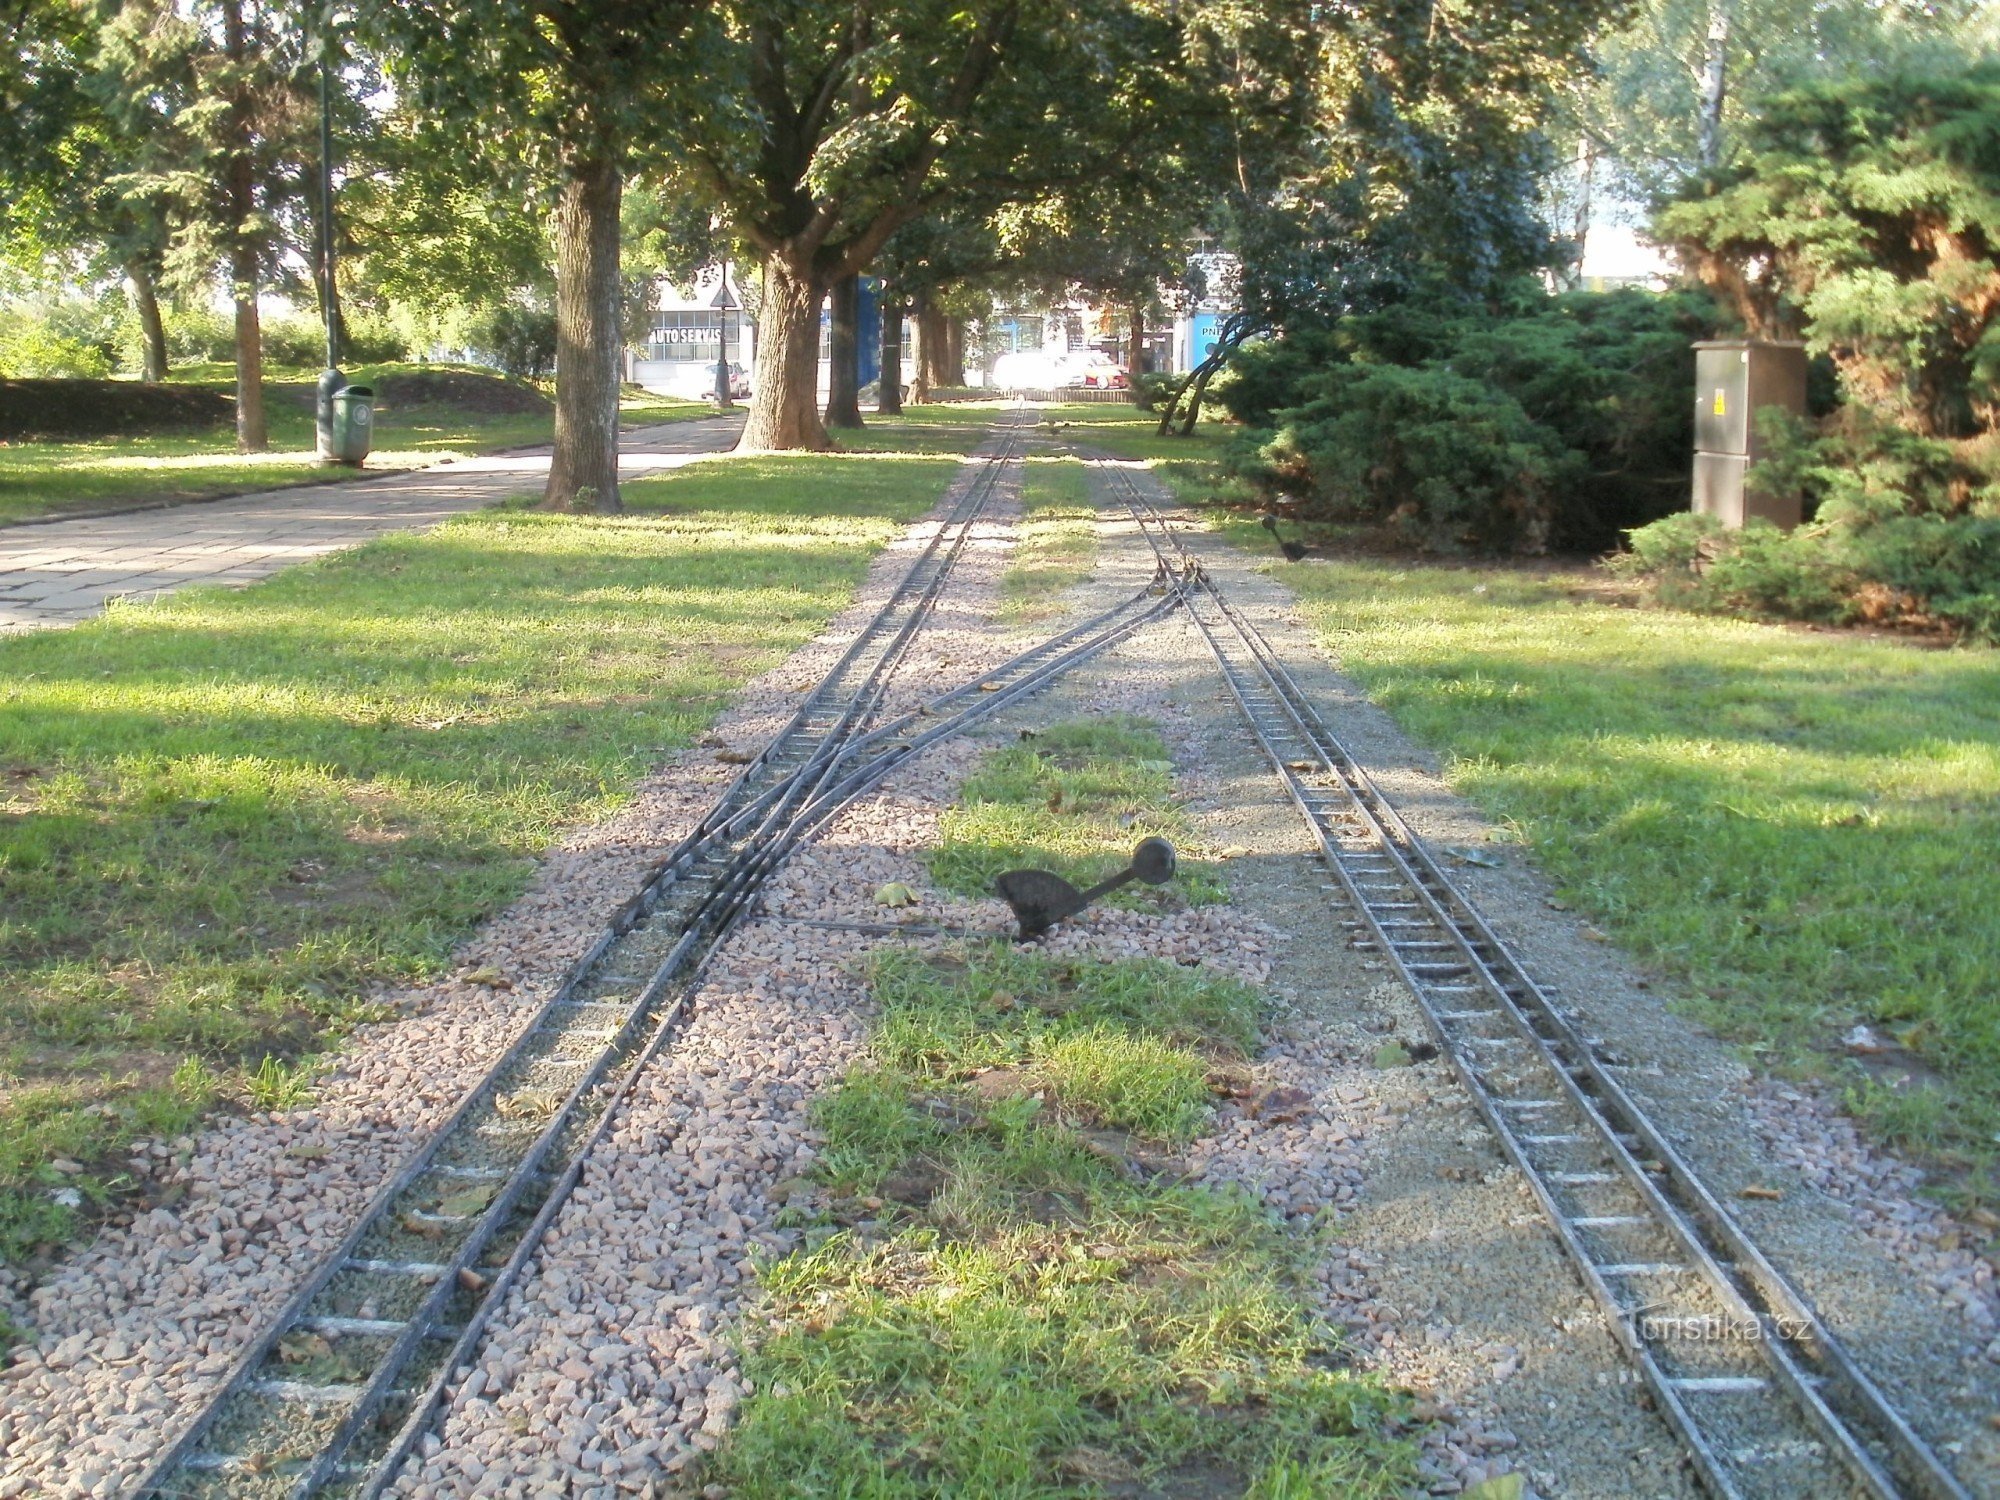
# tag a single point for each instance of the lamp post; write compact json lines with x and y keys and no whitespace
{"x":722,"y":304}
{"x":330,"y":379}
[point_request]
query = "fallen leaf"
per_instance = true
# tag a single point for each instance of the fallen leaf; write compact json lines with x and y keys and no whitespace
{"x":467,"y":1201}
{"x":1499,"y":1487}
{"x":1863,"y":1042}
{"x":471,"y":1280}
{"x":895,"y":893}
{"x":298,"y":1348}
{"x":1392,"y":1055}
{"x":487,"y":975}
{"x":734,"y":757}
{"x":306,"y":1153}
{"x":989,"y":687}
{"x":1767,"y":1194}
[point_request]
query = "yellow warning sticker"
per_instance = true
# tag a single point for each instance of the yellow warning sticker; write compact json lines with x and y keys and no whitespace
{"x":1720,"y":405}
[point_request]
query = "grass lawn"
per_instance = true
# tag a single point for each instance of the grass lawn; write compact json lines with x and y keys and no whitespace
{"x":1056,"y":544}
{"x":1006,"y":1290}
{"x":1798,"y":827}
{"x":227,"y":815}
{"x":43,"y":479}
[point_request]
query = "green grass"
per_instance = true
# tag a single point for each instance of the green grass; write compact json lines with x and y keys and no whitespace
{"x":1799,"y":828}
{"x":228,"y":816}
{"x":1055,"y":546}
{"x":997,"y":1305}
{"x":1189,"y":465}
{"x":44,"y":479}
{"x":1074,"y":798}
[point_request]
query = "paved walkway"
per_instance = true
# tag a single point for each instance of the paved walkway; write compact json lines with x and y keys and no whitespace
{"x":65,"y":571}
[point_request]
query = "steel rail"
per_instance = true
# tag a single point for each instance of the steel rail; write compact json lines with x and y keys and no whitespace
{"x":802,"y":750}
{"x":987,"y":695}
{"x":1588,"y":1152}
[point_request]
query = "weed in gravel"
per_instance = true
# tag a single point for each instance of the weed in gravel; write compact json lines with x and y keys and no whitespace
{"x":279,"y":1085}
{"x":1004,"y":1301}
{"x":1073,"y":798}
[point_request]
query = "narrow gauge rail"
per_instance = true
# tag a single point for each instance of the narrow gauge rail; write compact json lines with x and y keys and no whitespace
{"x":321,"y":1396}
{"x":1766,"y":1400}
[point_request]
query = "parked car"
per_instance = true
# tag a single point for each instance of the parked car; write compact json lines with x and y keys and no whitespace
{"x":1094,"y":370}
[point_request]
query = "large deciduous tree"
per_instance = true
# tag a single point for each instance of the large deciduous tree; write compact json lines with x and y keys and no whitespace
{"x":839,"y":124}
{"x":573,"y":93}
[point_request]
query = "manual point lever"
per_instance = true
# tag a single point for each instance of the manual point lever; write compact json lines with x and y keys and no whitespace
{"x":1041,"y":898}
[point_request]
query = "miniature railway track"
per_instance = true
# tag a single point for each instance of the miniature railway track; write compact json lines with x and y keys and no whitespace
{"x":1765,"y":1399}
{"x":347,"y":1377}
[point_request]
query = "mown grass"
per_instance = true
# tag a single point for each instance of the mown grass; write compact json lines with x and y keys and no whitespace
{"x":227,"y":818}
{"x":1055,"y":546}
{"x":46,"y":479}
{"x":1073,"y":798}
{"x":1189,"y":465}
{"x":1002,"y":1303}
{"x":1798,"y":827}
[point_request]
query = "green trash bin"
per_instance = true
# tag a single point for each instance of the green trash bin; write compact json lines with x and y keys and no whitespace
{"x":353,"y":424}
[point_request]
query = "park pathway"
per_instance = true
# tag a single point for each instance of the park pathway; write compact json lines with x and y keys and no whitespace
{"x":64,"y":571}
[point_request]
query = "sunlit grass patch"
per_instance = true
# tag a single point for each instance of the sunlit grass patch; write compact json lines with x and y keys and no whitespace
{"x":950,"y":1020}
{"x":1136,"y":1083}
{"x":1008,"y":1300}
{"x":1056,"y":542}
{"x":1074,"y":798}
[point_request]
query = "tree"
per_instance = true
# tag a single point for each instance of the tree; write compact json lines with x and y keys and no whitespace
{"x":840,"y":125}
{"x":1864,"y":216}
{"x":843,"y":394}
{"x":574,"y":94}
{"x":1681,"y":80}
{"x":208,"y":92}
{"x":1416,"y":171}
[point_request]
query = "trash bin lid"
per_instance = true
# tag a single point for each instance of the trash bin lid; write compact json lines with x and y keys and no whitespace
{"x":354,"y":390}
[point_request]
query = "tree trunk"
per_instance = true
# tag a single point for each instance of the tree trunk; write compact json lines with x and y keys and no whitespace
{"x":1135,"y":345}
{"x":843,"y":381}
{"x":583,"y":475}
{"x":933,"y":355}
{"x":954,"y":352}
{"x":240,"y":179}
{"x":146,"y":300}
{"x":890,"y":402}
{"x":1586,"y":188}
{"x":1714,"y":83}
{"x":784,"y":407}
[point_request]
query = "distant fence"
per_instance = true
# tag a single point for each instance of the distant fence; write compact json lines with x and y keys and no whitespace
{"x":1068,"y":393}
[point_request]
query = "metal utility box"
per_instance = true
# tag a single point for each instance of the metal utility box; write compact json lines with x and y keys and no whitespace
{"x":1734,"y":379}
{"x":353,"y":433}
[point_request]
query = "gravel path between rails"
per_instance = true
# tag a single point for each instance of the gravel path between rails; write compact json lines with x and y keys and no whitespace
{"x":135,"y":1329}
{"x":1844,"y":1230}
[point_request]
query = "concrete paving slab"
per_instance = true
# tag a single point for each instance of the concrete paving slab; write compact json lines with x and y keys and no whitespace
{"x":59,"y":572}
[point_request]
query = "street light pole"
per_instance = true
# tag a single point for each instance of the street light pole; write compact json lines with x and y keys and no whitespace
{"x":331,"y":380}
{"x":723,"y":303}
